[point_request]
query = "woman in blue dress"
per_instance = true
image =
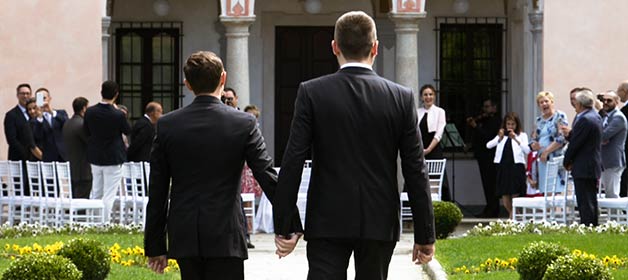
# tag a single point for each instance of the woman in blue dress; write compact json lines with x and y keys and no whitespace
{"x":547,"y":139}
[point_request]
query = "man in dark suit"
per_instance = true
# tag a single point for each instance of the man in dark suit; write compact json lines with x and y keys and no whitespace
{"x":143,"y":133}
{"x":622,"y":91}
{"x":355,"y":123}
{"x":485,"y":126}
{"x":583,"y":155}
{"x":75,"y":138}
{"x":201,"y":149}
{"x":15,"y":126}
{"x":50,"y":129}
{"x":14,"y":123}
{"x":105,"y":125}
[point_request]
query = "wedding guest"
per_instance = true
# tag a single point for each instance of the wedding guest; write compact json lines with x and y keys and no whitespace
{"x":613,"y":141}
{"x":510,"y":158}
{"x":432,"y":125}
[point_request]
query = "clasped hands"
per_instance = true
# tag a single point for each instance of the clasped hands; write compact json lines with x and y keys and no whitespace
{"x":285,"y":245}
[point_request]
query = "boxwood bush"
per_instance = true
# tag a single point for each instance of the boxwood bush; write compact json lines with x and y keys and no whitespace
{"x":42,"y":266}
{"x":576,"y":267}
{"x":447,"y":216}
{"x":535,"y":258}
{"x":89,"y":256}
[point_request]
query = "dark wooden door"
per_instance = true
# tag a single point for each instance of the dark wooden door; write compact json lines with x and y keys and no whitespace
{"x":301,"y":53}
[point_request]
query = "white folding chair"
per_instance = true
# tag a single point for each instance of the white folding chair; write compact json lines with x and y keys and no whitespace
{"x":613,"y":209}
{"x":76,"y":210}
{"x":51,"y":204}
{"x":6,"y":204}
{"x":545,"y":207}
{"x":132,"y":199}
{"x":19,"y":201}
{"x":34,"y":205}
{"x":147,"y":174}
{"x":436,"y":173}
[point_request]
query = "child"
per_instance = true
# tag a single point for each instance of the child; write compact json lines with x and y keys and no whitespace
{"x":510,"y":158}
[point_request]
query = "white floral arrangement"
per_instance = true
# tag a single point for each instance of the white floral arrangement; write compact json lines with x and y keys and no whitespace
{"x":36,"y":229}
{"x":510,"y":227}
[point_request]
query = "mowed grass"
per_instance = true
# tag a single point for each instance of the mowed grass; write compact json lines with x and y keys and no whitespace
{"x":118,"y":272}
{"x":472,"y":251}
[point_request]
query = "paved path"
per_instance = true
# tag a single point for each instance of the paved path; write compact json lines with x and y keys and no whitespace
{"x":263,"y":264}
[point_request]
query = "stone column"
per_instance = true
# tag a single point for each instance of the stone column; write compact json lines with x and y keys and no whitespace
{"x":536,"y":21}
{"x":237,"y":63}
{"x":106,"y":22}
{"x":536,"y":27}
{"x":406,"y":50}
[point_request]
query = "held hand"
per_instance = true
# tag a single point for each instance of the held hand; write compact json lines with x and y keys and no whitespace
{"x":158,"y":263}
{"x":568,"y":167}
{"x":544,"y":156}
{"x":511,"y":134}
{"x":500,"y":133}
{"x":426,"y":151}
{"x":535,"y":146}
{"x":565,"y":130}
{"x":422,"y":254}
{"x":286,"y":246}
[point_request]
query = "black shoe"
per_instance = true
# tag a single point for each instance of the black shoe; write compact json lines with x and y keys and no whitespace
{"x":250,"y":245}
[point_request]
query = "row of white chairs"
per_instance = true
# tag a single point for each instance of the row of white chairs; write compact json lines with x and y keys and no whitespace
{"x":560,"y":205}
{"x":49,"y":198}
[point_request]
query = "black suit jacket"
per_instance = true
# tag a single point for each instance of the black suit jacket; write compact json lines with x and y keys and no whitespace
{"x":355,"y":123}
{"x":585,"y":147}
{"x":14,"y":130}
{"x":142,"y":136}
{"x":202,"y":149}
{"x":52,"y":145}
{"x":104,"y":125}
{"x":75,"y":138}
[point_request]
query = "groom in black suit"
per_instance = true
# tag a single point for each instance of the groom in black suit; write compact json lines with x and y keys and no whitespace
{"x":201,"y":149}
{"x":355,"y":123}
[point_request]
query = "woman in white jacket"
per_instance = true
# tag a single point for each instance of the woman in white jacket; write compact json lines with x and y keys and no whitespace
{"x":510,"y":158}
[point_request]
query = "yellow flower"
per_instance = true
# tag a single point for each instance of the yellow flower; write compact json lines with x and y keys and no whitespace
{"x":467,"y":271}
{"x":577,"y":252}
{"x":7,"y":247}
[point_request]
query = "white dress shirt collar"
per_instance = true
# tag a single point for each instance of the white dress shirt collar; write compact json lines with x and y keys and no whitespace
{"x":356,"y":64}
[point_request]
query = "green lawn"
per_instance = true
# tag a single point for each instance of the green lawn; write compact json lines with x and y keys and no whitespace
{"x":471,"y":251}
{"x":118,"y":272}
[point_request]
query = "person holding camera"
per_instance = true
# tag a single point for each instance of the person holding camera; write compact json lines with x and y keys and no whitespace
{"x":510,"y":158}
{"x":50,"y":128}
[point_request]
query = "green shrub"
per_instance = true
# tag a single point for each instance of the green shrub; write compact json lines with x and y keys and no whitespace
{"x":89,"y":256}
{"x":447,"y":216}
{"x":576,"y":267}
{"x":42,"y":267}
{"x":535,"y":258}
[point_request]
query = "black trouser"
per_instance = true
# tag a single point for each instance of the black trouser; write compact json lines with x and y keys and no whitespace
{"x":586,"y":196}
{"x":623,"y":185}
{"x":328,"y":258}
{"x":488,"y":175}
{"x":81,"y":188}
{"x":211,"y":268}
